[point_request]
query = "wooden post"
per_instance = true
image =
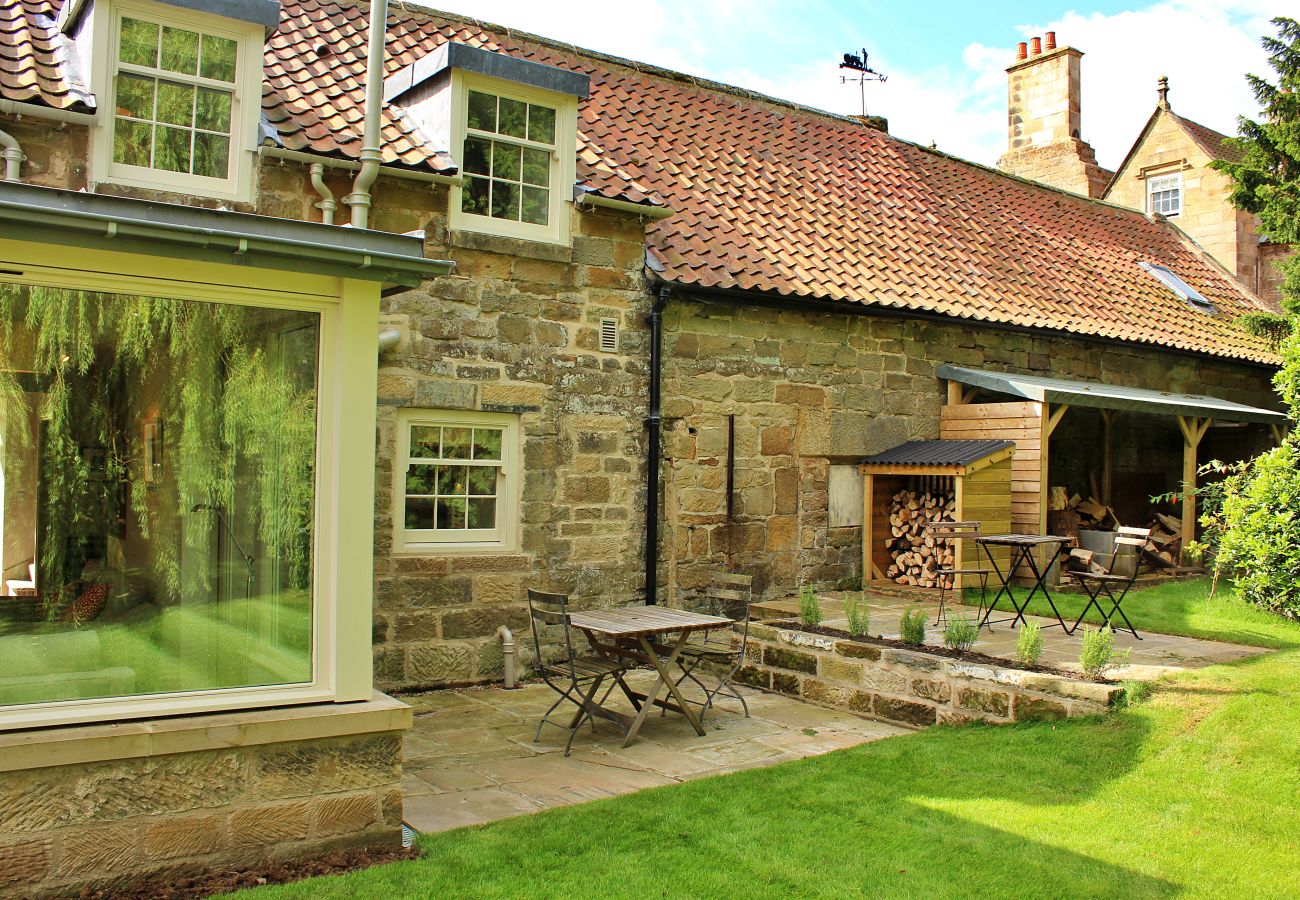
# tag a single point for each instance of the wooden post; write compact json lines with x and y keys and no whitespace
{"x":1193,"y":429}
{"x":958,"y":393}
{"x":868,"y":489}
{"x":1050,"y":419}
{"x":1108,"y":455}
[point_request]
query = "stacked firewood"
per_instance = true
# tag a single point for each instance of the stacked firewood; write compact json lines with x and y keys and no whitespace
{"x":915,"y":551}
{"x":1166,"y":543}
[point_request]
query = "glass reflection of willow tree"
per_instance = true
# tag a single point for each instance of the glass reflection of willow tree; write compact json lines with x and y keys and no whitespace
{"x":239,"y":424}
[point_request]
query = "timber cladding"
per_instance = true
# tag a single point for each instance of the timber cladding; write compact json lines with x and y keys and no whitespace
{"x":1021,"y":422}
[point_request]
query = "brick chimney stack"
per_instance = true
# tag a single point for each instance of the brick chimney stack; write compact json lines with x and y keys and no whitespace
{"x":1044,"y":141}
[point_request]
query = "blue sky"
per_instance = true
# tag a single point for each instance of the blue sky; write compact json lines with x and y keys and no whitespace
{"x":945,"y":61}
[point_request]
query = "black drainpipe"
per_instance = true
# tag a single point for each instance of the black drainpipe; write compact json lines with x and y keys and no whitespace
{"x":653,"y":422}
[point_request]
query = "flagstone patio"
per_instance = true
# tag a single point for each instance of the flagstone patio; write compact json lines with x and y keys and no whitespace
{"x":470,"y":757}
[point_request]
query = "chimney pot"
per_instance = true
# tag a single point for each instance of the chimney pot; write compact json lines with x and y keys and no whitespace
{"x":1022,"y":51}
{"x":1035,"y":46}
{"x":1051,"y":41}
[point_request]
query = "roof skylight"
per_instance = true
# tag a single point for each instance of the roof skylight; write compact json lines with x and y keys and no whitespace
{"x":1185,"y":291}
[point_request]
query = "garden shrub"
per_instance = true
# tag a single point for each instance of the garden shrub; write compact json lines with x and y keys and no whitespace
{"x":911,"y":627}
{"x":1259,"y":543}
{"x":858,"y":613}
{"x":1029,"y":643}
{"x":1098,"y":654}
{"x":960,"y":633}
{"x":810,"y":610}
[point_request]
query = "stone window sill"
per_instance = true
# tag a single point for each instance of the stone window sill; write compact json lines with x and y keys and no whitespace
{"x":493,"y":243}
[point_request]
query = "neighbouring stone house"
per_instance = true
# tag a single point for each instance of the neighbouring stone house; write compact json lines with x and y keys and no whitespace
{"x":625,"y":328}
{"x":1166,"y":172}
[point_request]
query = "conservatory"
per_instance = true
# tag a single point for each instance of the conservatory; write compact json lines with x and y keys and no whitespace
{"x":186,"y":396}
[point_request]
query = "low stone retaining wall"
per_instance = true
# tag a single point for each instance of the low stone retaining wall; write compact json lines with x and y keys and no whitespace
{"x":910,"y":687}
{"x":105,"y":807}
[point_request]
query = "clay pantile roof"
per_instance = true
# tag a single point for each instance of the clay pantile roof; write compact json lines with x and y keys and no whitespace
{"x":1211,"y":141}
{"x":36,"y":62}
{"x":776,"y":198}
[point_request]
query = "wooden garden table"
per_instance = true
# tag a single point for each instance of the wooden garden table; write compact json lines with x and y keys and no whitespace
{"x":634,"y":633}
{"x":1022,"y":551}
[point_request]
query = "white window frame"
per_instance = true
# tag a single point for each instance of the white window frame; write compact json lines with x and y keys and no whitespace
{"x":1164,"y":183}
{"x":504,"y":537}
{"x":563,"y":160}
{"x":342,"y":664}
{"x":245,"y":108}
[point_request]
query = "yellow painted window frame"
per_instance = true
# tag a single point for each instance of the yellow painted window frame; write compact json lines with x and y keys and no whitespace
{"x":245,"y":105}
{"x":342,"y":567}
{"x":563,"y":162}
{"x":418,"y":542}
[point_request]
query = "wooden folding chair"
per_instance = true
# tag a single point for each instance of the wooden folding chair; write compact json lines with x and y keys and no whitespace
{"x":1095,"y":584}
{"x":947,"y":575}
{"x":575,"y":678}
{"x":729,"y":596}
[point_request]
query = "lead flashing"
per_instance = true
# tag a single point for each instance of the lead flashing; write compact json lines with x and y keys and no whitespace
{"x":485,"y":62}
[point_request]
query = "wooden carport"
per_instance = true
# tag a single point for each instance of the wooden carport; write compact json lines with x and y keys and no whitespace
{"x":1042,"y":402}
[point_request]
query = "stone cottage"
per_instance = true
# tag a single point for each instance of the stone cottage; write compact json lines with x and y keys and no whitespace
{"x":624,"y":328}
{"x":1166,"y":172}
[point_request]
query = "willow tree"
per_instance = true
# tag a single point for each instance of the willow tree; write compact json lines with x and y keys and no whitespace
{"x":236,"y":423}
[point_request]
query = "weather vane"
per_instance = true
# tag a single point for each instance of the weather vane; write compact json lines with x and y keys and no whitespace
{"x":861,"y":65}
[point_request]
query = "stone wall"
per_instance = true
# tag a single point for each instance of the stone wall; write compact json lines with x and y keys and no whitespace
{"x":165,"y":816}
{"x":808,"y":389}
{"x":910,"y":687}
{"x":516,"y":329}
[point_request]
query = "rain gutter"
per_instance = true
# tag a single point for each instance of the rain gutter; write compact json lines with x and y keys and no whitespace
{"x":79,"y":219}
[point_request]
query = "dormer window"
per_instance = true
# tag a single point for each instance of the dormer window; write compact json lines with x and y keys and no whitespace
{"x":517,"y":150}
{"x":172,"y":99}
{"x":184,"y":91}
{"x":512,"y":126}
{"x":1165,"y":194}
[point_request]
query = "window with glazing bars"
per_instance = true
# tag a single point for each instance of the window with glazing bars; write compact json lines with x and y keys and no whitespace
{"x":510,"y":146}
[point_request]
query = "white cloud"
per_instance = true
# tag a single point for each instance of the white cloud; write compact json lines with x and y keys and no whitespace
{"x":1203,"y":47}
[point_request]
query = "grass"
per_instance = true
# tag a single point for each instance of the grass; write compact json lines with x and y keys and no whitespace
{"x":1181,"y":606}
{"x":1191,"y":793}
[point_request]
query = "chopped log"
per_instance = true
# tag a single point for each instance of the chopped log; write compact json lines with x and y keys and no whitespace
{"x":1169,"y":523}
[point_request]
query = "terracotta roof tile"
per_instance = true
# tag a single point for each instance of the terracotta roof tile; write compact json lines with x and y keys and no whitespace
{"x":769,"y":196}
{"x":36,"y":62}
{"x":1211,"y":141}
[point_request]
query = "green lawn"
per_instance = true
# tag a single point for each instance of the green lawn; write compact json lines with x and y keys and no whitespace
{"x":1178,"y":606}
{"x":1193,"y":793}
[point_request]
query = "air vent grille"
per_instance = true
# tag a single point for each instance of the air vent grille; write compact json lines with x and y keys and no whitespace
{"x":609,"y":335}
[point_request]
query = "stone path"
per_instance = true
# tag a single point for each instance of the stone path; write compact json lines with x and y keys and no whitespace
{"x":470,"y":757}
{"x":1153,"y":656}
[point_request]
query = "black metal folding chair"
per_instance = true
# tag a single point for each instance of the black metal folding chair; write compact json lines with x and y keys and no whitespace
{"x":1095,"y":584}
{"x":947,"y":575}
{"x":576,"y":678}
{"x":729,"y":595}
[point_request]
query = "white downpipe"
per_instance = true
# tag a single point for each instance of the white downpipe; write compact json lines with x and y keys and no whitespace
{"x":389,"y":338}
{"x":359,"y":199}
{"x":507,"y":655}
{"x":327,"y":204}
{"x":13,"y":156}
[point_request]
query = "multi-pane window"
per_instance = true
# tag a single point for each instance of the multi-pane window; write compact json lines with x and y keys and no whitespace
{"x":173,"y":99}
{"x":454,"y":485}
{"x":510,"y":146}
{"x":1165,"y":194}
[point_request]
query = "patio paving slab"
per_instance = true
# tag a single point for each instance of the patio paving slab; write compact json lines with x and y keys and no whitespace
{"x":471,"y":758}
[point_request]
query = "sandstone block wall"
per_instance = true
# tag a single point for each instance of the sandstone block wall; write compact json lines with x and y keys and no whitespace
{"x":907,"y":687}
{"x":516,"y":329}
{"x":110,"y":824}
{"x":808,"y":389}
